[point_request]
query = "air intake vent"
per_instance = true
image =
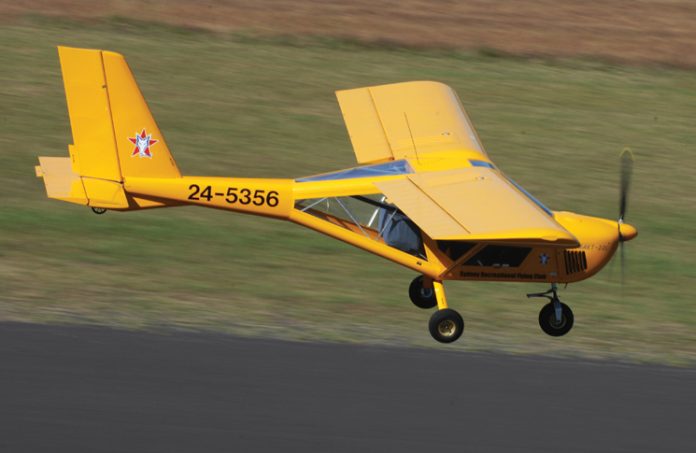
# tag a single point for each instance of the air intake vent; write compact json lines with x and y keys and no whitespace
{"x":575,"y":261}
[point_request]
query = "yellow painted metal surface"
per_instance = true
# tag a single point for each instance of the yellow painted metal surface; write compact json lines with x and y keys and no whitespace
{"x":440,"y":295}
{"x":473,"y":203}
{"x":445,"y":160}
{"x":406,"y":120}
{"x":135,"y":202}
{"x":114,"y":135}
{"x":422,"y":209}
{"x":60,"y":180}
{"x":540,"y":265}
{"x":364,"y":126}
{"x":339,"y":188}
{"x":435,"y":256}
{"x":105,"y":194}
{"x":358,"y":240}
{"x":114,"y":132}
{"x":265,"y":197}
{"x":62,"y":183}
{"x":90,"y":115}
{"x":142,"y":149}
{"x":120,"y":160}
{"x":598,"y":241}
{"x":628,"y":232}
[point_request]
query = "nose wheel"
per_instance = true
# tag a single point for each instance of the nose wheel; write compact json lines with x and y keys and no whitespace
{"x":555,"y":318}
{"x":553,"y":325}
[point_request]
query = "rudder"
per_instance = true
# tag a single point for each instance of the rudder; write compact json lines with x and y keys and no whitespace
{"x":142,"y":150}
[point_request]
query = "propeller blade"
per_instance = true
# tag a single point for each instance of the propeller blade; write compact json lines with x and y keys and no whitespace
{"x":623,"y":264}
{"x":626,"y":172}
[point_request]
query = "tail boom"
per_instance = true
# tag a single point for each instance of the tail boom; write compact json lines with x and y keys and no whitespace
{"x":265,"y":197}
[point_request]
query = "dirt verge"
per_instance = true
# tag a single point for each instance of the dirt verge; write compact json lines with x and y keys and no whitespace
{"x":633,"y":31}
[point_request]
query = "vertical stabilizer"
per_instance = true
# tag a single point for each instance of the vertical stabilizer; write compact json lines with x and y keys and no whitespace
{"x":114,"y":133}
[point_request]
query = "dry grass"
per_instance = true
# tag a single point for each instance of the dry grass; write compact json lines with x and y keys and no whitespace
{"x":635,"y":31}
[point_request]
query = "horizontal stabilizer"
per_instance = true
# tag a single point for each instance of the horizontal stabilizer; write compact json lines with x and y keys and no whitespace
{"x":60,"y":180}
{"x":62,"y":183}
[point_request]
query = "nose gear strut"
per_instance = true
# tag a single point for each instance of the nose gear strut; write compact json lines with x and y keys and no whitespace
{"x":555,"y":318}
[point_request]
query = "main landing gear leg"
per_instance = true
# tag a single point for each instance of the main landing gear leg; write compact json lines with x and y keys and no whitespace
{"x":440,"y":295}
{"x":446,"y":325}
{"x":555,"y":318}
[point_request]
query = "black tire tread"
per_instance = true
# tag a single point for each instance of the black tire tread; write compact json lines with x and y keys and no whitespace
{"x":440,"y":316}
{"x":414,"y":293}
{"x":547,"y":313}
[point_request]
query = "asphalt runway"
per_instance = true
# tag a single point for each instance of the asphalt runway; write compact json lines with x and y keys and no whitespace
{"x":81,"y":389}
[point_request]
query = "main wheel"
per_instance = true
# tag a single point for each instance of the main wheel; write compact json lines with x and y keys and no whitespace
{"x":446,"y":325}
{"x":549,"y":324}
{"x":421,"y":297}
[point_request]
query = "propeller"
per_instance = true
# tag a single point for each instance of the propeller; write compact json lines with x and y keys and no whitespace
{"x":626,"y":232}
{"x":626,"y":171}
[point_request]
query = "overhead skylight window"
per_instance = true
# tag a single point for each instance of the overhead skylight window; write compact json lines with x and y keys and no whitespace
{"x":397,"y":167}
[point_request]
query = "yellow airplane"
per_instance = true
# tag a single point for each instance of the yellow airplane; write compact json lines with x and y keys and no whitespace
{"x":424,"y":195}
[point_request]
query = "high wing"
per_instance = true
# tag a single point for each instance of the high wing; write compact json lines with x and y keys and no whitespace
{"x":406,"y":120}
{"x":475,"y":203}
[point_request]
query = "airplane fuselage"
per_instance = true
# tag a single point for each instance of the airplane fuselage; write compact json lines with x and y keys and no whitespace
{"x":287,"y":199}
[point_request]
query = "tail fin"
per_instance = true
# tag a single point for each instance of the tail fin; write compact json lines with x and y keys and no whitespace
{"x":114,"y":133}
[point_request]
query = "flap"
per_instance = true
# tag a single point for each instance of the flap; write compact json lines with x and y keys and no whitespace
{"x":403,"y":120}
{"x":474,"y":203}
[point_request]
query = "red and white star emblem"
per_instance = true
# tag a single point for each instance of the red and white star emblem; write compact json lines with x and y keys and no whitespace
{"x":142,"y":143}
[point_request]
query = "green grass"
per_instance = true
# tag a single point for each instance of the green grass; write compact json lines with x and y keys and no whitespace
{"x":239,"y":105}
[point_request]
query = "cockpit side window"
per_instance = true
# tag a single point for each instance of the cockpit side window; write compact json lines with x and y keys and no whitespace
{"x":455,"y":249}
{"x":401,"y":233}
{"x":499,"y":256}
{"x":371,"y":216}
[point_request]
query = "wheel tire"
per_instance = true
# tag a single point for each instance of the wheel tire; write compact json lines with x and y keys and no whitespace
{"x":446,"y":325}
{"x":421,"y":297}
{"x":547,"y":320}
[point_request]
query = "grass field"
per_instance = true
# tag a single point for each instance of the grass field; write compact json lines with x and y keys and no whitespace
{"x":240,"y":106}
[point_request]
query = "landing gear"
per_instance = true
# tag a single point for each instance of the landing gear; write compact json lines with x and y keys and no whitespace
{"x":99,"y":211}
{"x":421,"y":296}
{"x":555,"y":318}
{"x":554,"y":325}
{"x":446,"y":325}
